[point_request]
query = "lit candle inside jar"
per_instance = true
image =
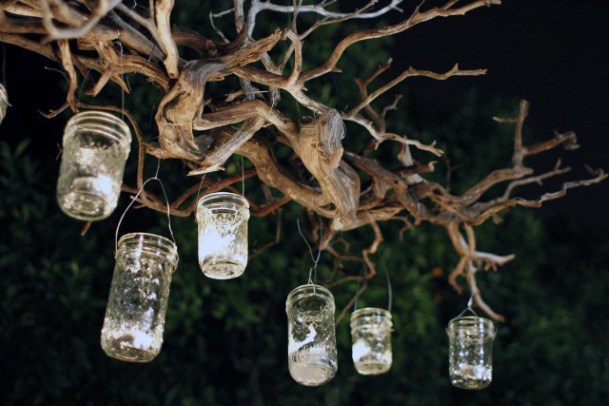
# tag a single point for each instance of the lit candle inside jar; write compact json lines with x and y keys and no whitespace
{"x":135,"y":314}
{"x":360,"y":350}
{"x":95,"y":150}
{"x":312,"y":354}
{"x":474,"y":372}
{"x":223,"y":248}
{"x":471,"y":352}
{"x":371,"y":336}
{"x":88,"y":195}
{"x":131,"y":343}
{"x":312,"y":366}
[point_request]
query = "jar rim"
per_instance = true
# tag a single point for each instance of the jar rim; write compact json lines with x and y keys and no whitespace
{"x":370,"y":317}
{"x":150,"y":240}
{"x":96,"y":117}
{"x":218,"y":197}
{"x":308,"y":290}
{"x":472,"y":321}
{"x":371,"y":311}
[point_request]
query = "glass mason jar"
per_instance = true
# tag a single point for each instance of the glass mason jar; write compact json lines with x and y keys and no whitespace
{"x":222,"y":219}
{"x":135,"y":314}
{"x":3,"y":102}
{"x":95,"y":150}
{"x":471,"y":352}
{"x":371,"y":336}
{"x":312,"y":356}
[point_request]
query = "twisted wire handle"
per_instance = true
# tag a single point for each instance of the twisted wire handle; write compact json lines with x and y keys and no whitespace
{"x":118,"y":226}
{"x":469,"y":308}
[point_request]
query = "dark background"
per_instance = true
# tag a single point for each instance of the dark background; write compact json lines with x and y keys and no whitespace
{"x":553,"y":53}
{"x":225,"y":343}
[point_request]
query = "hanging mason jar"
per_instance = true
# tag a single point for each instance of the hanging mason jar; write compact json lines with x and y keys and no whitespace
{"x":311,"y":335}
{"x":3,"y":102}
{"x":471,"y":352}
{"x":371,"y":336}
{"x":222,"y":219}
{"x":95,"y":150}
{"x":135,"y":314}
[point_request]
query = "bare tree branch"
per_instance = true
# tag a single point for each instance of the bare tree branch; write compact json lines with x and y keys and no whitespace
{"x":341,"y":189}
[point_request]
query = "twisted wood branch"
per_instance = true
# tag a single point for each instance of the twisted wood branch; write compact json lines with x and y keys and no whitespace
{"x":321,"y":174}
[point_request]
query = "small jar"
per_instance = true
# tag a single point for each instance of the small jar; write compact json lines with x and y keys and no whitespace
{"x":371,"y":336}
{"x":311,"y":335}
{"x":222,"y":219}
{"x":95,"y":150}
{"x":471,"y":352}
{"x":3,"y":102}
{"x":135,"y":314}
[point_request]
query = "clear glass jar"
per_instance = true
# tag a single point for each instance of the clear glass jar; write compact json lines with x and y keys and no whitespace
{"x":95,"y":150}
{"x":135,"y":314}
{"x":311,"y":335}
{"x":3,"y":102}
{"x":371,"y":337}
{"x":471,"y":352}
{"x":222,"y":219}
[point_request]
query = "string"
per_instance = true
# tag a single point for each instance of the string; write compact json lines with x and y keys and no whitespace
{"x":295,"y":18}
{"x":315,"y":260}
{"x":120,"y":61}
{"x":242,"y":178}
{"x":200,"y":185}
{"x":389,"y":289}
{"x":81,"y":89}
{"x":158,"y":166}
{"x":469,"y":308}
{"x":135,"y":199}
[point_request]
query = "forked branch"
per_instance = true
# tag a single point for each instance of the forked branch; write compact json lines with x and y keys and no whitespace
{"x":343,"y":188}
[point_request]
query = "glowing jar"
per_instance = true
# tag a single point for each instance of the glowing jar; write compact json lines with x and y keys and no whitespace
{"x":135,"y":314}
{"x":371,"y":337}
{"x":95,"y":150}
{"x":222,"y":219}
{"x":311,"y":335}
{"x":3,"y":102}
{"x":470,"y":352}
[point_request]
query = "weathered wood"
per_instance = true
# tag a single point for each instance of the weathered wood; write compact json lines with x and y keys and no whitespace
{"x":112,"y":39}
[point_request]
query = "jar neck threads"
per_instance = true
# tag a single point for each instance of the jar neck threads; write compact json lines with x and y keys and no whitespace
{"x":481,"y":326}
{"x":151,"y":244}
{"x":101,"y":123}
{"x":371,"y":316}
{"x":309,"y":291}
{"x":223,"y":200}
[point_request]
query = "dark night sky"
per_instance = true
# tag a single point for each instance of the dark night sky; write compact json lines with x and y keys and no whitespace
{"x":554,"y":53}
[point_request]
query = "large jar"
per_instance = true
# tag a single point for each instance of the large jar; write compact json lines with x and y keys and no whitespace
{"x":95,"y":150}
{"x":135,"y":314}
{"x":3,"y":102}
{"x":222,"y":219}
{"x":371,"y":337}
{"x":311,"y":335}
{"x":471,"y":352}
